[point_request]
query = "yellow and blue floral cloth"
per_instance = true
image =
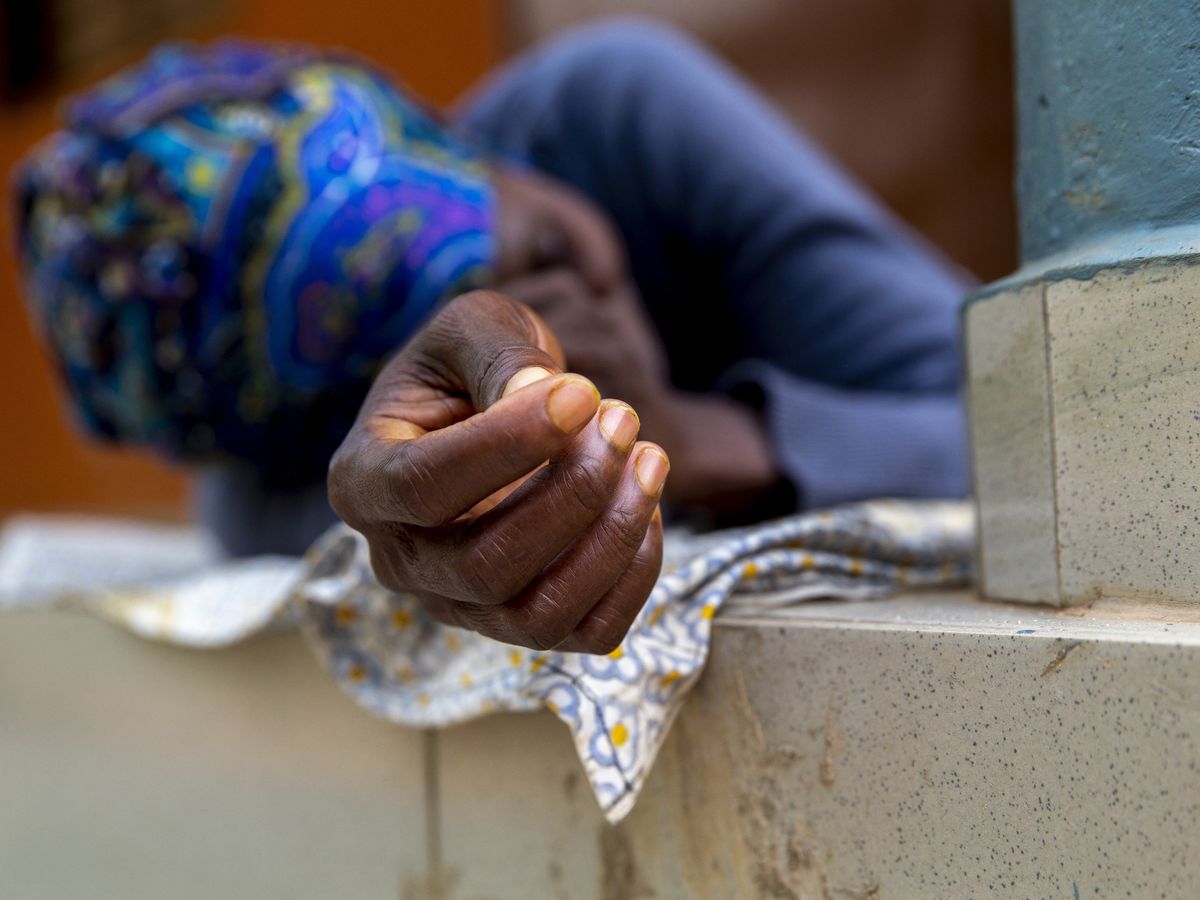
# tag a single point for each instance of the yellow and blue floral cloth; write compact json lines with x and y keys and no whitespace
{"x":398,"y":663}
{"x":226,"y":242}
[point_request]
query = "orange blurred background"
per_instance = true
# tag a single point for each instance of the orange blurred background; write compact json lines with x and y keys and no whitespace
{"x":918,"y":105}
{"x":438,"y":48}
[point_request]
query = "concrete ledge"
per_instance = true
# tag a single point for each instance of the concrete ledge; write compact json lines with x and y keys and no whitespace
{"x":135,"y":770}
{"x":930,"y":745}
{"x":920,"y":747}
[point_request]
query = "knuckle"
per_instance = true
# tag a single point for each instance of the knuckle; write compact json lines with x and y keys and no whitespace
{"x":383,"y":565}
{"x":546,"y":635}
{"x":442,"y":613}
{"x":544,"y":622}
{"x":465,"y":304}
{"x":336,"y":488}
{"x":497,"y":334}
{"x":604,"y":639}
{"x":343,"y":486}
{"x":460,"y":319}
{"x":465,"y":309}
{"x":441,"y":326}
{"x":588,"y":483}
{"x":489,"y":570}
{"x":480,"y":619}
{"x":413,"y":487}
{"x":623,"y":531}
{"x":402,"y":546}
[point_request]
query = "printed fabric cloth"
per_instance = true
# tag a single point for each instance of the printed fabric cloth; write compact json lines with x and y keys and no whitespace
{"x":395,"y":661}
{"x":226,"y":242}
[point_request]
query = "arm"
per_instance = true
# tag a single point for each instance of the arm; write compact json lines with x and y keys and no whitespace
{"x":747,"y":244}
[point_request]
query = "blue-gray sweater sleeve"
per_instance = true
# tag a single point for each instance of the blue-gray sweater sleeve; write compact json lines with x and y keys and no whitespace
{"x":759,"y":261}
{"x":838,"y":444}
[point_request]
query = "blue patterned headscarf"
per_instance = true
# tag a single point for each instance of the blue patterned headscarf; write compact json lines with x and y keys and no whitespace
{"x":226,"y":243}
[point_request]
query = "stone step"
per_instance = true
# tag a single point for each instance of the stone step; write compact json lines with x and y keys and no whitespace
{"x":929,"y":745}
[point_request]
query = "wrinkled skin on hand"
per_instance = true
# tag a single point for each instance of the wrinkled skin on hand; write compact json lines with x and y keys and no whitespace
{"x":505,"y":494}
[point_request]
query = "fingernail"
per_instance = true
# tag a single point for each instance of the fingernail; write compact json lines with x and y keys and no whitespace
{"x":524,"y":378}
{"x":571,"y":403}
{"x":620,"y":425}
{"x":651,"y":470}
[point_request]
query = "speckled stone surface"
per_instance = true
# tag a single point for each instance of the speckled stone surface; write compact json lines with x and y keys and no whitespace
{"x":1010,"y":438}
{"x":1125,"y":372}
{"x":927,"y":746}
{"x":1117,"y":445}
{"x":923,"y":747}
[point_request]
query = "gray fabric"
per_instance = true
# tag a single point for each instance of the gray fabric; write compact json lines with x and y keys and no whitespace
{"x":252,"y":518}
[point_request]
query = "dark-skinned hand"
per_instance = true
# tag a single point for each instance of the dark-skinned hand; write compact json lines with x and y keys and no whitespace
{"x":505,"y":494}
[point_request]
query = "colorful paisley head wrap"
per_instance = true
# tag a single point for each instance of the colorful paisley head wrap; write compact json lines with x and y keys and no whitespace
{"x":226,"y":244}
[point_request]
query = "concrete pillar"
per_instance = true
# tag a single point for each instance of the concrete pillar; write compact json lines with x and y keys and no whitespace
{"x":1084,"y":365}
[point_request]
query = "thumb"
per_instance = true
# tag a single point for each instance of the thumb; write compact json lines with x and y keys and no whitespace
{"x":491,"y":345}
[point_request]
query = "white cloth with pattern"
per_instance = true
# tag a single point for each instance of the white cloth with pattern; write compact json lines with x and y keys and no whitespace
{"x":401,"y":665}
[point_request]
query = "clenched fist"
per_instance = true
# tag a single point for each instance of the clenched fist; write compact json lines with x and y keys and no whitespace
{"x":505,"y":494}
